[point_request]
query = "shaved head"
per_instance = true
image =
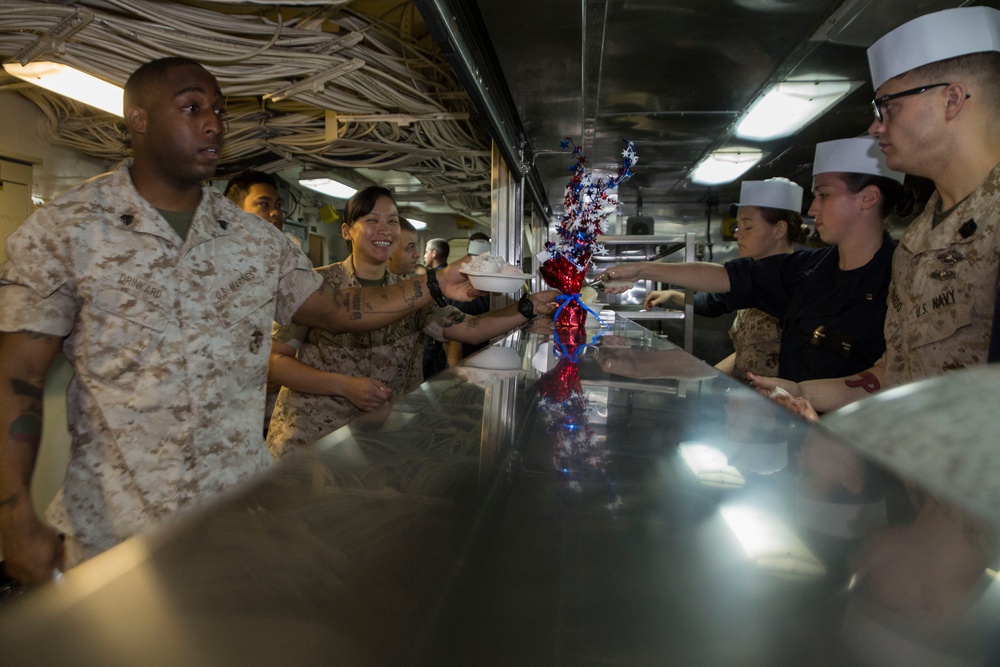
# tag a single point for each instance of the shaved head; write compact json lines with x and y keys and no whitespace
{"x":145,"y":79}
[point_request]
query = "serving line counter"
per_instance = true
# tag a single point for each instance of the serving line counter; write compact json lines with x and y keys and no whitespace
{"x":594,"y":498}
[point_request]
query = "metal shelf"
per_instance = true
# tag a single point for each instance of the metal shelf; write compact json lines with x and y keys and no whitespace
{"x":647,"y":248}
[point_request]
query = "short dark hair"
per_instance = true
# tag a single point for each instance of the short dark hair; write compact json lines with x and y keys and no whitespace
{"x":239,"y":185}
{"x":142,"y":80}
{"x":479,"y":236}
{"x":406,"y":226}
{"x":983,"y":67}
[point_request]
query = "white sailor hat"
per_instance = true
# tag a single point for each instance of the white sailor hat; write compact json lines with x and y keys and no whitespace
{"x":772,"y":193}
{"x":478,"y":246}
{"x":859,"y":155}
{"x":932,"y":38}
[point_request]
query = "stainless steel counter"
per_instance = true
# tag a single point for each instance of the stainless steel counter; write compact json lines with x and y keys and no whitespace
{"x":600,"y":499}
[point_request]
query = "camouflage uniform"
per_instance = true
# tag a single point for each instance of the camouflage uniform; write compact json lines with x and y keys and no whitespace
{"x":757,"y":340}
{"x":391,"y":355}
{"x":944,"y":285}
{"x":756,"y":335}
{"x":169,"y":343}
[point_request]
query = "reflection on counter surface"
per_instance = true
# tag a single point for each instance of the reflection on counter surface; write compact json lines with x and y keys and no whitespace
{"x":593,"y":498}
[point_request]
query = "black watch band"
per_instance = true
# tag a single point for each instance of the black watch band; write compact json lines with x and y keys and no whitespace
{"x":525,"y":307}
{"x":435,"y":288}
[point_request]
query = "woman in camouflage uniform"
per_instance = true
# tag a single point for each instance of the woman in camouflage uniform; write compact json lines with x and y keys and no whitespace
{"x":333,"y":378}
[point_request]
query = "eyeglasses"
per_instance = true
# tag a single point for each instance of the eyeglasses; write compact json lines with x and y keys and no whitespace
{"x":880,"y":102}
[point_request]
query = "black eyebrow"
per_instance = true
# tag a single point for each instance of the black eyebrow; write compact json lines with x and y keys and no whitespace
{"x":197,"y":89}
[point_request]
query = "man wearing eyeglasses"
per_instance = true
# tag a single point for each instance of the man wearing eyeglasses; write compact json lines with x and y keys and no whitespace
{"x":937,"y":115}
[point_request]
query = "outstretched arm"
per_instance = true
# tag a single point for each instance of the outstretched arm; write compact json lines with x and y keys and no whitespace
{"x":702,"y":276}
{"x":360,"y":309}
{"x":827,"y":394}
{"x":480,"y":328}
{"x":31,"y":549}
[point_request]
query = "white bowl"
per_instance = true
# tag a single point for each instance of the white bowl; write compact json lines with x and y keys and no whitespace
{"x":495,"y":282}
{"x":601,"y":319}
{"x":495,"y":358}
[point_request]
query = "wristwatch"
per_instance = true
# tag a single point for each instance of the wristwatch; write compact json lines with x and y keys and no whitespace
{"x":525,"y":307}
{"x":435,"y":288}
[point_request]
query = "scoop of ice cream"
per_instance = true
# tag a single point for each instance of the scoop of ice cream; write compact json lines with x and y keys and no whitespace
{"x":588,"y":295}
{"x":487,"y":263}
{"x":510,"y":270}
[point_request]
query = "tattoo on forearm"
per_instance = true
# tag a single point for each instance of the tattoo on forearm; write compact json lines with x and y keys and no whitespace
{"x":10,"y":501}
{"x":357,"y":303}
{"x":866,"y":381}
{"x":22,"y":388}
{"x":26,"y":429}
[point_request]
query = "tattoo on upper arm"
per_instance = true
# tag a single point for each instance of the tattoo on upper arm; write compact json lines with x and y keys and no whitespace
{"x":866,"y":381}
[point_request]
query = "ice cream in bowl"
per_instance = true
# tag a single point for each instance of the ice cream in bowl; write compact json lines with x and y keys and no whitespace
{"x":492,"y":274}
{"x":588,"y":297}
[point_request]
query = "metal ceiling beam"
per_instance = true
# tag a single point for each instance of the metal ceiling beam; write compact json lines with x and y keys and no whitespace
{"x":459,"y":31}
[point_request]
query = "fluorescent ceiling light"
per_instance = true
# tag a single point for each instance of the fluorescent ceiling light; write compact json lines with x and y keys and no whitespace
{"x":417,"y":224}
{"x":725,"y":166}
{"x":789,"y":106}
{"x":326,"y":185}
{"x":70,"y":82}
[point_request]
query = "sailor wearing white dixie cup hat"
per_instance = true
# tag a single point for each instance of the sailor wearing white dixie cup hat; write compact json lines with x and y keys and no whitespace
{"x":937,"y":107}
{"x":832,"y":301}
{"x":945,"y":285}
{"x":779,"y":193}
{"x":770,"y":223}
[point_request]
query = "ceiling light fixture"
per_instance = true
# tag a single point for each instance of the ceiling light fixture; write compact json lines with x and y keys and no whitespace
{"x":70,"y":82}
{"x":322,"y":183}
{"x":725,"y":166}
{"x":417,"y":224}
{"x":789,"y":106}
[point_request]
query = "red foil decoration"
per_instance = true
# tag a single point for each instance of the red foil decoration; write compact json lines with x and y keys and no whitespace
{"x":572,"y":316}
{"x":559,"y":273}
{"x":561,"y":383}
